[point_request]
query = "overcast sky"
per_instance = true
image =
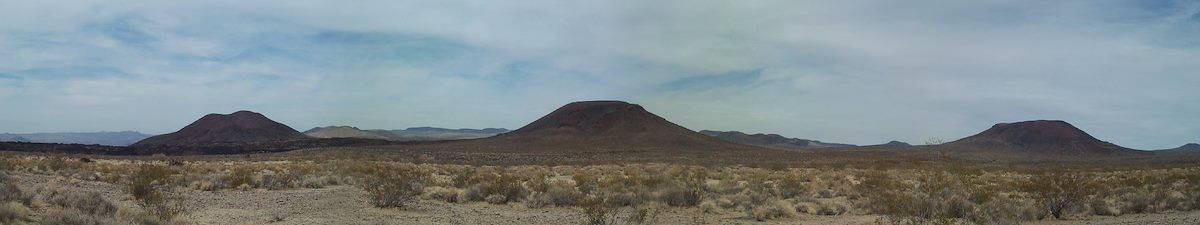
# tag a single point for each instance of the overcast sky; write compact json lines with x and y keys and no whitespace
{"x":862,"y":72}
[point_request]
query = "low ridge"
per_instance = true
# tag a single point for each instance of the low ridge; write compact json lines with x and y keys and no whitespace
{"x":771,"y":140}
{"x":342,"y":132}
{"x":1187,"y":148}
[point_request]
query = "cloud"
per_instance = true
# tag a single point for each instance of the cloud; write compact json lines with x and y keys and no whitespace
{"x":851,"y":71}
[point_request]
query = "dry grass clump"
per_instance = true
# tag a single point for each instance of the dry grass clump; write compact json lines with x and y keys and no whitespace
{"x":88,"y":202}
{"x":446,"y":194}
{"x":9,"y":192}
{"x":14,"y":202}
{"x":76,"y":217}
{"x":598,"y":211}
{"x":13,"y":213}
{"x":772,"y":210}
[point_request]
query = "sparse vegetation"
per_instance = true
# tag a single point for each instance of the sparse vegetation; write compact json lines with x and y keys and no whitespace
{"x":626,"y":194}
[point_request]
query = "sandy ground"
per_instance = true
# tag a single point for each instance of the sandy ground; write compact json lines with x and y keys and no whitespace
{"x":349,"y":205}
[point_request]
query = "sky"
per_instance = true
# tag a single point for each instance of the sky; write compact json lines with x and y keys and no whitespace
{"x":861,"y":72}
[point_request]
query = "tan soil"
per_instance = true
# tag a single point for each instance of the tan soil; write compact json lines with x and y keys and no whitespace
{"x":349,"y":205}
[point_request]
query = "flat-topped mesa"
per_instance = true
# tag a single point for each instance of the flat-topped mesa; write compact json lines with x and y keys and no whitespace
{"x":1042,"y":137}
{"x":238,"y":127}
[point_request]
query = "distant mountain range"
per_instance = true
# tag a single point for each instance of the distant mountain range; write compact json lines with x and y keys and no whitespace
{"x":601,"y":130}
{"x":771,"y":140}
{"x":120,"y":138}
{"x":410,"y":134}
{"x":895,"y":144}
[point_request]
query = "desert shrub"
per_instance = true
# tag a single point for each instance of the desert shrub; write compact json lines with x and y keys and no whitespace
{"x":771,"y":210}
{"x":150,"y":219}
{"x":10,"y":192}
{"x":1140,"y":202}
{"x":506,"y":185}
{"x":394,"y":187}
{"x":450,"y":194}
{"x":314,"y":181}
{"x":238,"y":176}
{"x":831,"y":209}
{"x":147,"y":185}
{"x":13,"y":213}
{"x":708,"y":206}
{"x":62,"y":164}
{"x":76,"y":217}
{"x":1058,"y":192}
{"x":538,"y":200}
{"x":791,"y":186}
{"x":272,"y":180}
{"x":563,"y":193}
{"x":1004,"y":211}
{"x":681,"y":196}
{"x":586,"y":182}
{"x":88,"y":202}
{"x":893,"y":220}
{"x":597,"y":212}
{"x":645,"y":214}
{"x":496,"y":199}
{"x":1103,"y":207}
{"x":826,"y":193}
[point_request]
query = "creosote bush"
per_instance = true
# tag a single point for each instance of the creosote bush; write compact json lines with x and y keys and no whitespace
{"x":148,"y":185}
{"x":394,"y":186}
{"x":1058,"y":192}
{"x":13,"y":213}
{"x":88,"y":202}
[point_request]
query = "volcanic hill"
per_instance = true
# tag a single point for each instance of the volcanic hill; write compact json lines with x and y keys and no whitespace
{"x":602,"y":126}
{"x":238,"y":127}
{"x":771,"y":140}
{"x":1187,"y":148}
{"x":1037,"y":138}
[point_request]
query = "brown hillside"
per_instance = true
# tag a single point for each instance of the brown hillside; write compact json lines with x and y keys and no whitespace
{"x":599,"y":126}
{"x":1038,"y":138}
{"x":238,"y":127}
